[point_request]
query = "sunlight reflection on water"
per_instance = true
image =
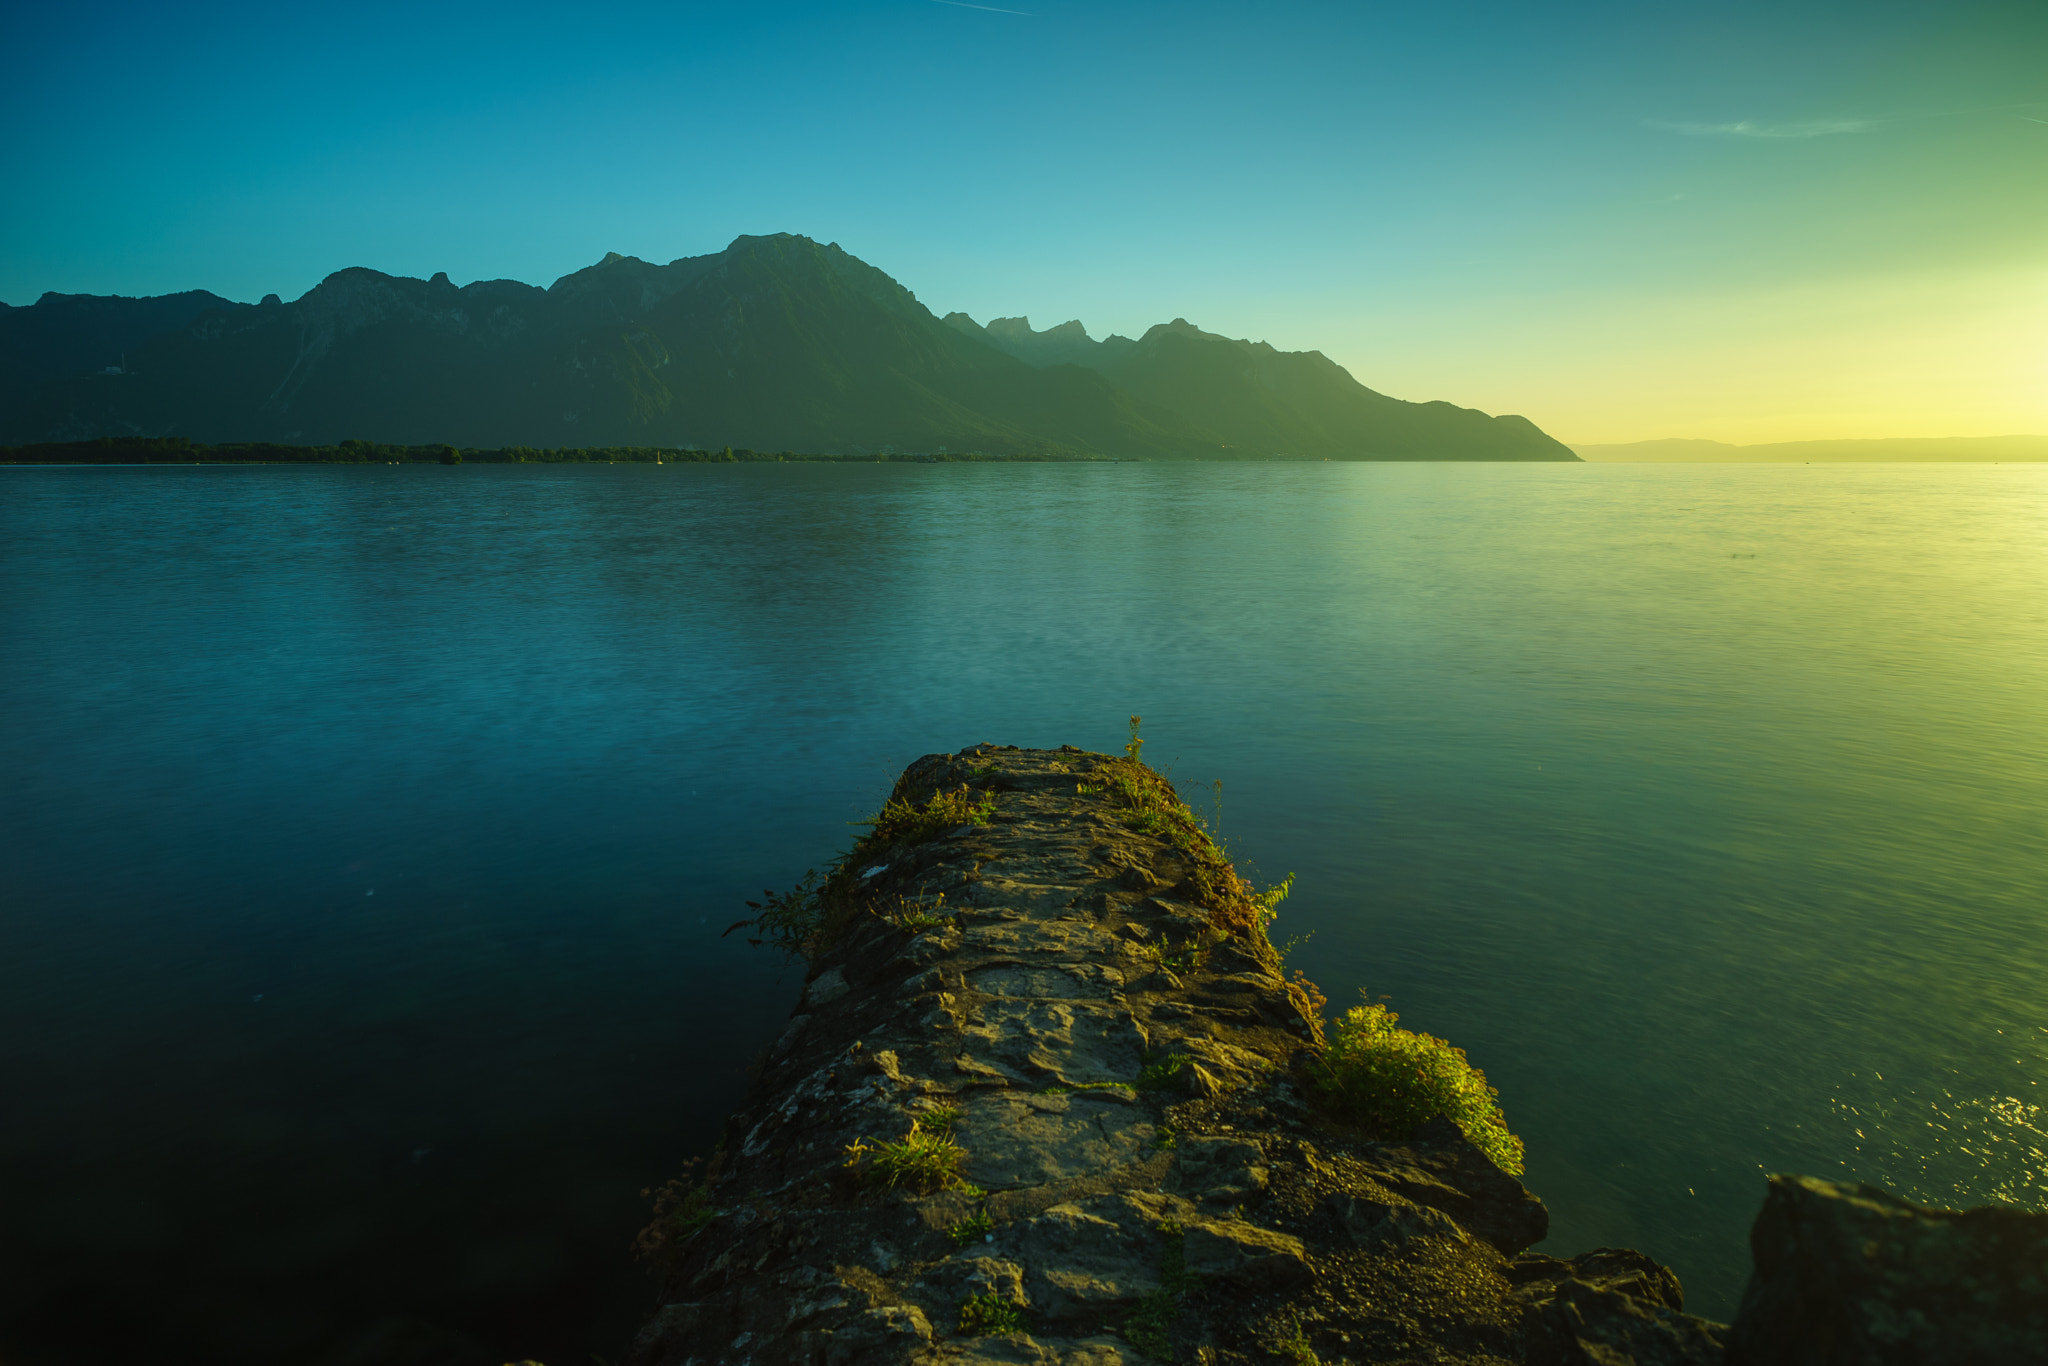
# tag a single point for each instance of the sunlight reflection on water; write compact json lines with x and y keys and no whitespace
{"x":1939,"y":1148}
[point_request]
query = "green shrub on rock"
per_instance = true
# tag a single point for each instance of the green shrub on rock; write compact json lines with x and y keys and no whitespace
{"x":1392,"y":1079}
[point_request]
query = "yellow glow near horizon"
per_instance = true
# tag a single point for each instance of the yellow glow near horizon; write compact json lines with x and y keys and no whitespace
{"x":1934,"y":353}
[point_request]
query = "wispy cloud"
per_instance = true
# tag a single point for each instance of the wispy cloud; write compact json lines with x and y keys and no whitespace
{"x":1819,"y":128}
{"x":1814,"y":128}
{"x":992,"y":9}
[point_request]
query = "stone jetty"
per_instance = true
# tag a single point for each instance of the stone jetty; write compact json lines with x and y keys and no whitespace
{"x":1046,"y":1100}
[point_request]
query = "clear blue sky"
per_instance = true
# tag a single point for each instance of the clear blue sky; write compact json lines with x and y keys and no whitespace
{"x":1744,"y":221}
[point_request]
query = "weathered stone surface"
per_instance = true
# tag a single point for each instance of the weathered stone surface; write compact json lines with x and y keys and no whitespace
{"x":1083,"y":1263}
{"x":1206,"y":1215}
{"x":1034,"y":1140}
{"x":1225,"y":1171}
{"x":1021,"y":1349}
{"x":1066,"y":1042}
{"x":1610,"y":1307}
{"x":1257,"y":1258}
{"x":1852,"y":1274}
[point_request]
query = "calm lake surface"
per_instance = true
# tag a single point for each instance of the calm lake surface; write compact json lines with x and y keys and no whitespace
{"x":366,"y":835}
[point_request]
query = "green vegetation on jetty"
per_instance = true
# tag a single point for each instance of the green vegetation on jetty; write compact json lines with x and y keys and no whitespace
{"x":1392,"y":1080}
{"x":1363,"y":1069}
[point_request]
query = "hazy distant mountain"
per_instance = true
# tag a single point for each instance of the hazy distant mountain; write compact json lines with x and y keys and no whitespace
{"x":1258,"y":401}
{"x":774,"y":343}
{"x":1889,"y":448}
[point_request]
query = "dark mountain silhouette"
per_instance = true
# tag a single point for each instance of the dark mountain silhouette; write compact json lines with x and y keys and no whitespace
{"x":1258,"y":401}
{"x":1067,"y":344}
{"x":774,"y":343}
{"x":61,"y":335}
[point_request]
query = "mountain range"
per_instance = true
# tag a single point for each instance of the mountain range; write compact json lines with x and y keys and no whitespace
{"x":777,"y":342}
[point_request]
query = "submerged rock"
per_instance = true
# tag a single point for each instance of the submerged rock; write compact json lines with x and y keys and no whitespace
{"x":1103,"y":1067}
{"x":1851,"y":1275}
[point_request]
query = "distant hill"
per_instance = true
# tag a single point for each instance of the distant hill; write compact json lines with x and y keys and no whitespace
{"x":1259,"y":402}
{"x":775,"y":343}
{"x":1966,"y":448}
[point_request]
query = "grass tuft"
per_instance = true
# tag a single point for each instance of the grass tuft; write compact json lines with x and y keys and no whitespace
{"x":902,"y":822}
{"x":925,"y":1159}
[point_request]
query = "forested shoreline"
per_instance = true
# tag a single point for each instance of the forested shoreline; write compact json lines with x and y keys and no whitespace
{"x":176,"y":450}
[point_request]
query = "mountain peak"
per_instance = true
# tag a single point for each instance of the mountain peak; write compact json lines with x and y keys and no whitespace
{"x":1183,"y":328}
{"x":1020,"y":330}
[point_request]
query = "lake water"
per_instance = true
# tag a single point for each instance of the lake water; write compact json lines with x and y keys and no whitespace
{"x":366,"y":835}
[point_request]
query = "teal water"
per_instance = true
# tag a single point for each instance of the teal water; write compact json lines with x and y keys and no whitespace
{"x":366,"y":834}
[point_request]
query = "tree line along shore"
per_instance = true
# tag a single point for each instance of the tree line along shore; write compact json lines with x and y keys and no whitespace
{"x":174,"y":450}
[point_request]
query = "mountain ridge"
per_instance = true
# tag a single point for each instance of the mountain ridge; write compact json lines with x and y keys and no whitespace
{"x":777,"y":342}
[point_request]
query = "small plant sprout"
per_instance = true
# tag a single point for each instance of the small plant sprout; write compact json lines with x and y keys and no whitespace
{"x":1295,"y":1347}
{"x":975,"y":1228}
{"x":985,"y":1315}
{"x":1159,"y":1075}
{"x":681,"y":1210}
{"x":915,"y":916}
{"x":1268,"y":901}
{"x":1308,"y":998}
{"x":792,"y":921}
{"x":1150,"y":1326}
{"x":1136,"y":746}
{"x":1178,"y":959}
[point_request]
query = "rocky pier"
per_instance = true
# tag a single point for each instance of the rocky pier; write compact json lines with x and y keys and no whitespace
{"x":1045,"y":1100}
